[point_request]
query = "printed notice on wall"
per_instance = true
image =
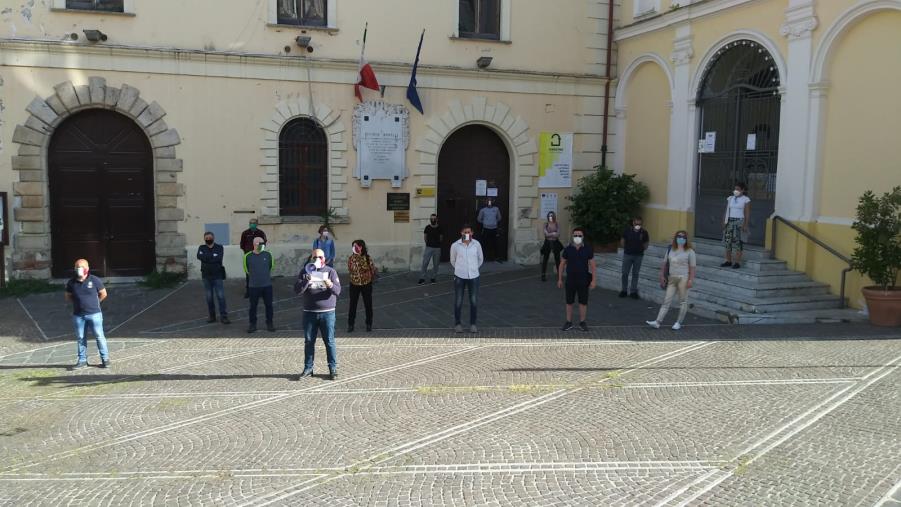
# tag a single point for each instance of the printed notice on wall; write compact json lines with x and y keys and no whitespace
{"x":548,"y":203}
{"x":555,"y":160}
{"x":481,"y":188}
{"x":751,"y":144}
{"x":709,"y":142}
{"x":492,"y":192}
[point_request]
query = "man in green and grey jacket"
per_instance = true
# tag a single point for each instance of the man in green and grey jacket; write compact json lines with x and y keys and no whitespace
{"x":258,"y":265}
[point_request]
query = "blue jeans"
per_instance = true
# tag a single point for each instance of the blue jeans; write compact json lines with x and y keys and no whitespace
{"x":460,"y":284}
{"x":313,"y":323}
{"x":215,"y":287}
{"x":255,"y":294}
{"x":96,"y":320}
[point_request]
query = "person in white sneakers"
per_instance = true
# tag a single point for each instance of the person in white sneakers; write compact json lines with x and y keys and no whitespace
{"x":677,"y":273}
{"x":466,"y":257}
{"x":736,"y":220}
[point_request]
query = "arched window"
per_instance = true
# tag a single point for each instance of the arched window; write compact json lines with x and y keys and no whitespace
{"x":302,"y":169}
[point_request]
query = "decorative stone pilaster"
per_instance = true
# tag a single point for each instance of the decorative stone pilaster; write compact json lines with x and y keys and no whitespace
{"x":680,"y":172}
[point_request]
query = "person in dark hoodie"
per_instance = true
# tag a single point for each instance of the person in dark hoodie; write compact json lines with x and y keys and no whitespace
{"x":320,"y":288}
{"x":213,"y":273}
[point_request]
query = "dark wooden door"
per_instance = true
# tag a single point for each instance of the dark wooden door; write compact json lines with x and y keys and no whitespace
{"x":101,"y":195}
{"x":469,"y":154}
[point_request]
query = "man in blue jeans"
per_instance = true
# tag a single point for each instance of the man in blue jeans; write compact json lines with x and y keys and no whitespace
{"x":466,"y":257}
{"x":212,"y":272}
{"x":85,"y":291}
{"x":258,"y":265}
{"x":320,"y":288}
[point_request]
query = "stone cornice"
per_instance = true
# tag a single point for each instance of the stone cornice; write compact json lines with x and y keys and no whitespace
{"x":800,"y":20}
{"x":680,"y":15}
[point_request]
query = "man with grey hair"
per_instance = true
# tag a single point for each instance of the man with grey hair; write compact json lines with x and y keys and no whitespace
{"x":85,"y":291}
{"x":320,"y":287}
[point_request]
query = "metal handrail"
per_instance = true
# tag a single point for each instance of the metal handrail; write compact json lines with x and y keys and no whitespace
{"x":802,"y":232}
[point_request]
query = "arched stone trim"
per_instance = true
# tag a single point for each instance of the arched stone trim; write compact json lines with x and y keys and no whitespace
{"x":620,"y":103}
{"x":523,"y":150}
{"x":738,"y":35}
{"x":328,"y":119}
{"x":844,"y":22}
{"x":31,"y":212}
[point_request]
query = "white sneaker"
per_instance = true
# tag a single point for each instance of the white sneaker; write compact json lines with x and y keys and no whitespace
{"x":677,"y":326}
{"x":653,"y":323}
{"x":458,"y":328}
{"x":473,"y":329}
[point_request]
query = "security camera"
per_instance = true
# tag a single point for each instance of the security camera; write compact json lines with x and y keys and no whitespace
{"x":303,"y":40}
{"x":94,"y":35}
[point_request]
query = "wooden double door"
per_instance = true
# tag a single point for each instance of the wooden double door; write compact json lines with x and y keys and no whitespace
{"x":101,"y":195}
{"x":470,"y":154}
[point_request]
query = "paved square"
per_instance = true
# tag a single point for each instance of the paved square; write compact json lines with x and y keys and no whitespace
{"x":518,"y":414}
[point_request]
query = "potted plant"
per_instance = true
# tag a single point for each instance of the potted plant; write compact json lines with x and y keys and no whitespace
{"x":604,"y":203}
{"x":878,"y":254}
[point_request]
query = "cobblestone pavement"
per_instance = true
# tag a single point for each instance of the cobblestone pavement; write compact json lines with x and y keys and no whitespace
{"x":519,"y":413}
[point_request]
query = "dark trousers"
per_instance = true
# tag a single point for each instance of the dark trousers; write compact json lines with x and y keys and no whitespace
{"x":489,"y":241}
{"x":631,"y":263}
{"x":255,"y":294}
{"x":355,"y":291}
{"x":549,"y":246}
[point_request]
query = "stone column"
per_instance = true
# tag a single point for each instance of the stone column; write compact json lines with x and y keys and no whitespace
{"x":680,"y":180}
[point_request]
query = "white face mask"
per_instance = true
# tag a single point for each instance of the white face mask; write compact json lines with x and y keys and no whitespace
{"x":357,"y":250}
{"x":577,"y":240}
{"x":325,"y":234}
{"x":318,"y":263}
{"x":79,"y":271}
{"x":736,"y":193}
{"x":466,"y":237}
{"x":636,"y":227}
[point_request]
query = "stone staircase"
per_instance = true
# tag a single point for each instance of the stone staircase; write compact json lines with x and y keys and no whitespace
{"x":763,"y":291}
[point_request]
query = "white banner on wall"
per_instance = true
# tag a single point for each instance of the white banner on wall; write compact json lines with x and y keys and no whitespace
{"x":555,"y":160}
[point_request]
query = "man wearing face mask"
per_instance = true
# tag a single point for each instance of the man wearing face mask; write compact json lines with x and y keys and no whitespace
{"x":490,"y":218}
{"x":635,"y":241}
{"x":325,"y":243}
{"x":247,"y":237}
{"x":258,"y":265}
{"x":85,"y":291}
{"x":466,"y":257}
{"x":320,"y":287}
{"x":578,"y":263}
{"x":432,"y":251}
{"x":212,"y":272}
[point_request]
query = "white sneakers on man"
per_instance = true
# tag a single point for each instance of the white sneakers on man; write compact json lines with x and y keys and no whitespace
{"x":677,"y":326}
{"x":653,"y":323}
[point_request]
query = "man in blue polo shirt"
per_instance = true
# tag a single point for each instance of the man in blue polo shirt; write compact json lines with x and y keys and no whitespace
{"x":578,"y":263}
{"x":85,"y":291}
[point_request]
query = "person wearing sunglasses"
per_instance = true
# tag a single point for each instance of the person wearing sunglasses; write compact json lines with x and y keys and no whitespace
{"x":579,"y":266}
{"x":677,"y":273}
{"x":320,"y":287}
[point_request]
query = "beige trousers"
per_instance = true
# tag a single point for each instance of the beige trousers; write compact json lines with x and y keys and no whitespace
{"x":676,"y":283}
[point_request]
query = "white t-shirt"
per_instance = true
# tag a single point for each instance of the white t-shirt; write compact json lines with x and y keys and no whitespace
{"x":680,"y":261}
{"x":735,"y":206}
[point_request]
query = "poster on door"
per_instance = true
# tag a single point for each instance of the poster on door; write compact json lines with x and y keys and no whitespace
{"x":555,"y":160}
{"x":548,"y":203}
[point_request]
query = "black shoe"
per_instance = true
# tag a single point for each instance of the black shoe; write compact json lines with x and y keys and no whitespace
{"x":736,"y":266}
{"x":104,"y":363}
{"x":350,"y":328}
{"x":726,"y":264}
{"x":305,"y":373}
{"x":225,"y":320}
{"x":583,"y":326}
{"x":622,"y":294}
{"x":333,"y":374}
{"x":79,"y":366}
{"x":634,"y":295}
{"x":567,"y":326}
{"x":368,"y":328}
{"x":270,"y":327}
{"x":421,"y":281}
{"x":252,"y":328}
{"x":434,"y":281}
{"x":543,"y":278}
{"x":246,"y":295}
{"x":211,"y":319}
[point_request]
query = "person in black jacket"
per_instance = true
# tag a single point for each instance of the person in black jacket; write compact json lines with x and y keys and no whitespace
{"x":213,"y":273}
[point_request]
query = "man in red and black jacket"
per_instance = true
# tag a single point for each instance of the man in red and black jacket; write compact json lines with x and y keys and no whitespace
{"x":247,"y":246}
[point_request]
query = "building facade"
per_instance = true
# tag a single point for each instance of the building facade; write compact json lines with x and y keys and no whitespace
{"x":796,"y":98}
{"x":129,"y":128}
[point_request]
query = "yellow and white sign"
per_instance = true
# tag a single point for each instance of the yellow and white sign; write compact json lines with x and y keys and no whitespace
{"x":555,"y":160}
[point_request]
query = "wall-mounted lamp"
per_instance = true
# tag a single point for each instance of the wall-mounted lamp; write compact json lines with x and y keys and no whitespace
{"x":94,"y":35}
{"x":303,"y":40}
{"x":483,"y":62}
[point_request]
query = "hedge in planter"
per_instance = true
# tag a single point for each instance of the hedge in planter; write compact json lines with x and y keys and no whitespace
{"x":878,"y":253}
{"x":605,"y":202}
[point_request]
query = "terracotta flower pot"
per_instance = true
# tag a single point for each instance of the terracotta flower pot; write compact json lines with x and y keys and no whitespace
{"x":884,"y":305}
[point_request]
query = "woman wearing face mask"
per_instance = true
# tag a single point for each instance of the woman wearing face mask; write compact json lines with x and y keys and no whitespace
{"x":551,"y":244}
{"x":681,"y":264}
{"x":735,"y":222}
{"x":362,"y":273}
{"x":325,"y":243}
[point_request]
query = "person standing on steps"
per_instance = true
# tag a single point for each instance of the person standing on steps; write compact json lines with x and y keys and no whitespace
{"x":86,"y":291}
{"x":320,"y":287}
{"x":677,"y":273}
{"x":490,"y":219}
{"x":551,"y":244}
{"x":581,"y":275}
{"x":325,"y":243}
{"x":212,"y":272}
{"x":362,"y":275}
{"x":252,"y":232}
{"x":432,"y":251}
{"x":258,"y":265}
{"x":735,"y":223}
{"x":466,"y":257}
{"x":635,"y":241}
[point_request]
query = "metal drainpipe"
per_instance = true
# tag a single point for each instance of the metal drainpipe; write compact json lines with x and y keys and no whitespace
{"x":607,"y":83}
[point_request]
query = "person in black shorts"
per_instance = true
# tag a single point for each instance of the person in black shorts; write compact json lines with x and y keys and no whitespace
{"x":578,"y":263}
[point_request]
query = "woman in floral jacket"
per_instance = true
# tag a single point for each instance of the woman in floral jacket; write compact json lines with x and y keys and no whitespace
{"x":362,"y":274}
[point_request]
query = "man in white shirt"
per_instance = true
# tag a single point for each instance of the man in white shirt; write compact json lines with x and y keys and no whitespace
{"x":466,"y":257}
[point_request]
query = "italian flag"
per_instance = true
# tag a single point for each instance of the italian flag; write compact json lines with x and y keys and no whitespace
{"x":367,"y":75}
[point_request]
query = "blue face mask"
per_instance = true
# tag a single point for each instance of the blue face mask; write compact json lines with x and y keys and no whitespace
{"x":680,"y":241}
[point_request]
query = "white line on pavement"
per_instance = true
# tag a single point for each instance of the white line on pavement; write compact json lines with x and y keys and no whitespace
{"x":43,"y":334}
{"x":158,"y":301}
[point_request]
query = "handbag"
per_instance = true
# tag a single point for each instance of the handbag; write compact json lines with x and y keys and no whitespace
{"x":373,"y":270}
{"x":666,"y":269}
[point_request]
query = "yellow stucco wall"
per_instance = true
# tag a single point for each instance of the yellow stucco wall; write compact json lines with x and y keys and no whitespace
{"x":647,"y":129}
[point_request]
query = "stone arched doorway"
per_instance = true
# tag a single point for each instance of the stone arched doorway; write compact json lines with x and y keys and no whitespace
{"x":739,"y":105}
{"x":100,"y":180}
{"x":470,"y":154}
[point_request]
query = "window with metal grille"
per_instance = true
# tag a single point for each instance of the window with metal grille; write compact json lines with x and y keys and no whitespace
{"x":96,"y":5}
{"x":480,"y":19}
{"x":302,"y":12}
{"x":303,"y":169}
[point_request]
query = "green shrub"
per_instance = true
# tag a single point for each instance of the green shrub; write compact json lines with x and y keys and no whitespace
{"x":23,"y":287}
{"x":164,"y":280}
{"x":878,"y":227}
{"x":604,"y":203}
